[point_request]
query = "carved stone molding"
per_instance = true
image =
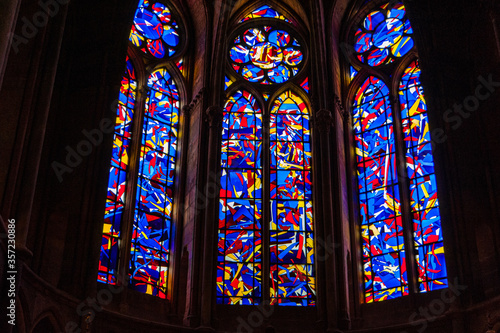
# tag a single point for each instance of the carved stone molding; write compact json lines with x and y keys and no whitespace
{"x":188,"y":109}
{"x":197,"y":99}
{"x":323,"y":121}
{"x":339,"y":108}
{"x":214,"y":115}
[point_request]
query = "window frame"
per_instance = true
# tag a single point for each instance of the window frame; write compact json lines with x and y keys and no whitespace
{"x":350,"y":87}
{"x":274,"y":90}
{"x":144,"y":65}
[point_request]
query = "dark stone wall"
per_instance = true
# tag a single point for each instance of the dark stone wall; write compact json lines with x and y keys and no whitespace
{"x":66,"y":75}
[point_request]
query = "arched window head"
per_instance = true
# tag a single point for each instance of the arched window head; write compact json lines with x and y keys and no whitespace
{"x":292,"y":238}
{"x":400,"y":223}
{"x":155,"y":31}
{"x":264,"y":53}
{"x":240,"y":214}
{"x":384,"y":35}
{"x":140,"y":206}
{"x":266,"y":240}
{"x":379,"y":192}
{"x":264,"y":12}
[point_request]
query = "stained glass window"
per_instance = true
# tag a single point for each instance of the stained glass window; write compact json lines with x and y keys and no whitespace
{"x":305,"y":85}
{"x":292,"y":240}
{"x":266,"y":204}
{"x":353,"y":72}
{"x":266,"y":55}
{"x":264,"y":12}
{"x":149,"y":255}
{"x":115,"y":203}
{"x":385,"y":37}
{"x":180,"y":65}
{"x":151,"y":169}
{"x":379,"y":195}
{"x":240,"y":215}
{"x":420,"y":168}
{"x":228,"y":82}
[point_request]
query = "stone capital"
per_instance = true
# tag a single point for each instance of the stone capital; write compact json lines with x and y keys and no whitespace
{"x":214,"y":115}
{"x":323,"y":121}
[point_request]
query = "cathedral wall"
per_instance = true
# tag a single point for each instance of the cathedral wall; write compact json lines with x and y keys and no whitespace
{"x":63,"y":81}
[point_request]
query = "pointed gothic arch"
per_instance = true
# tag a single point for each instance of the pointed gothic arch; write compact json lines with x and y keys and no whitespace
{"x":381,"y":49}
{"x":139,"y":234}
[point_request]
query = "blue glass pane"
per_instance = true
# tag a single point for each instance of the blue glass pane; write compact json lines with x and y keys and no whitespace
{"x":266,"y":55}
{"x":383,"y":36}
{"x":155,"y":31}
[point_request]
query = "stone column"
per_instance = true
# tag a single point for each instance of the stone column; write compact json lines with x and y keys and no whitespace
{"x":342,"y":221}
{"x":214,"y":116}
{"x":323,"y":123}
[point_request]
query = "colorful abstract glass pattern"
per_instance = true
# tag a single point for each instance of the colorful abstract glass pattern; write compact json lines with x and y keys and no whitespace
{"x":353,"y":72}
{"x":228,"y":83}
{"x":385,"y":34}
{"x":305,"y":85}
{"x":380,"y":207}
{"x":266,"y":55}
{"x":291,"y":226}
{"x":264,"y":12}
{"x":240,"y":215}
{"x":423,"y":192}
{"x":115,"y":202}
{"x":180,"y":65}
{"x":155,"y":31}
{"x":149,"y":254}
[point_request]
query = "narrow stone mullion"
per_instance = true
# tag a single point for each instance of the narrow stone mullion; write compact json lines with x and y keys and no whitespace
{"x":132,"y":179}
{"x":214,"y":115}
{"x":323,"y":124}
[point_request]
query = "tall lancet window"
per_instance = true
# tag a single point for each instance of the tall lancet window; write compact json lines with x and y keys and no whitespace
{"x":400,"y":224}
{"x":137,"y":232}
{"x":266,"y":226}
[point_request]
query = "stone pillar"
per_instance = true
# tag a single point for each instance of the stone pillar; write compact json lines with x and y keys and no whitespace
{"x":8,"y":15}
{"x":323,"y":123}
{"x":214,"y":116}
{"x":342,"y":221}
